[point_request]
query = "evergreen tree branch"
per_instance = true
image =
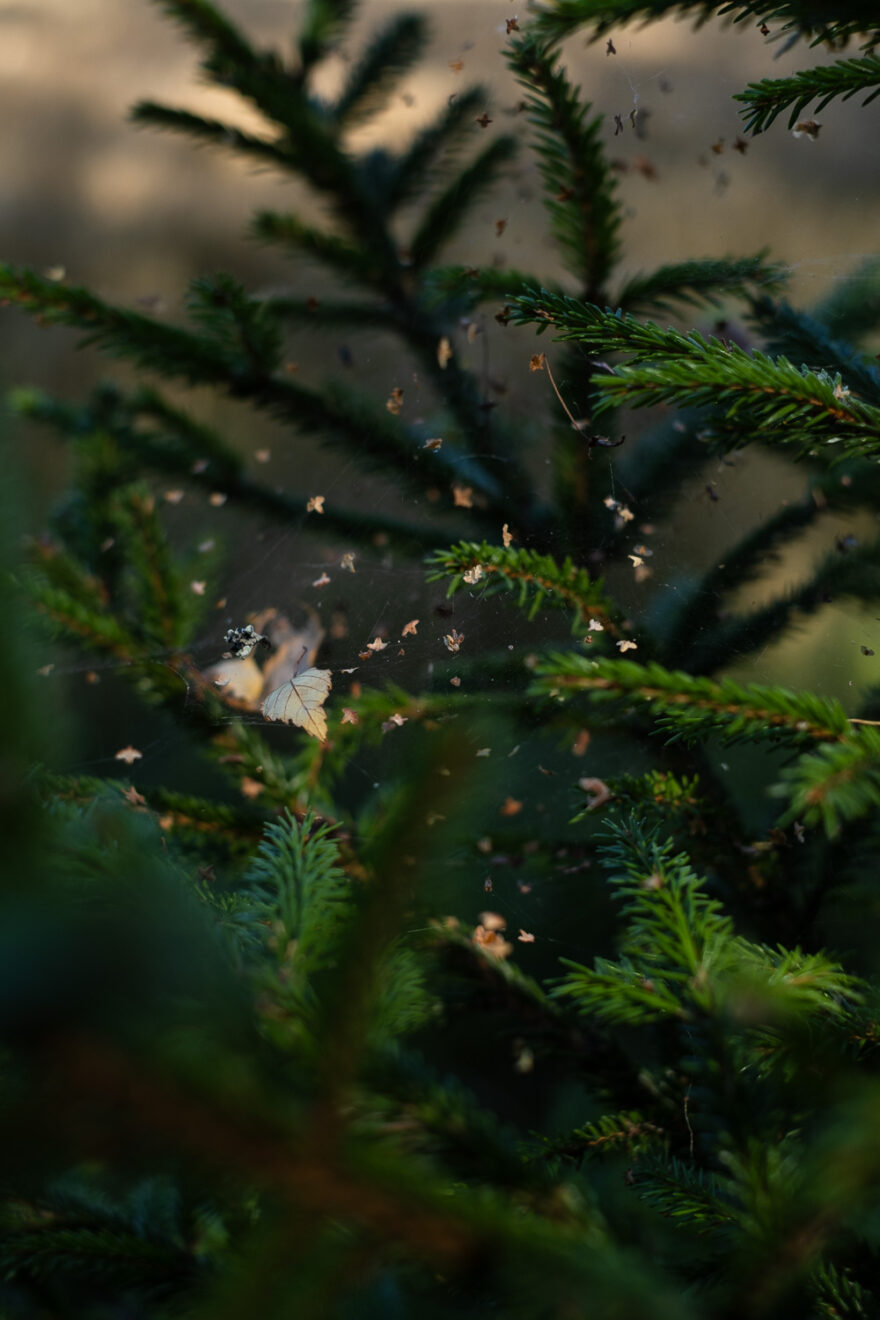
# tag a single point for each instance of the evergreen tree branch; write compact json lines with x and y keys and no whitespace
{"x":412,"y":169}
{"x":538,"y":579}
{"x":445,"y":215}
{"x":579,"y":185}
{"x":763,"y":101}
{"x":761,"y":398}
{"x":390,"y":54}
{"x":604,"y":331}
{"x":276,"y":153}
{"x":698,"y":282}
{"x":852,"y":574}
{"x":801,"y":337}
{"x":818,"y":19}
{"x":339,"y":254}
{"x":743,"y":562}
{"x":468,"y":286}
{"x":688,"y":708}
{"x":837,"y":783}
{"x":323,"y":25}
{"x":787,"y":405}
{"x":245,"y":370}
{"x":354,"y":315}
{"x":157,"y":604}
{"x":178,"y":447}
{"x":853,"y":302}
{"x":204,"y":23}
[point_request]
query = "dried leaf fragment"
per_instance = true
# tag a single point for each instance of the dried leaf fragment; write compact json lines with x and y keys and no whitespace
{"x":347,"y":561}
{"x":409,"y":629}
{"x":473,"y":575}
{"x":198,"y":588}
{"x":625,"y":645}
{"x":300,"y":701}
{"x":315,"y":504}
{"x":537,"y":361}
{"x":349,"y":716}
{"x":510,"y":807}
{"x":581,"y":743}
{"x":394,"y":400}
{"x":128,"y":754}
{"x":506,"y":536}
{"x":434,"y":444}
{"x":463,"y":496}
{"x":217,"y":499}
{"x":525,"y":937}
{"x":444,"y":353}
{"x":322,"y":581}
{"x":599,"y":790}
{"x":453,"y":640}
{"x":490,"y":938}
{"x":173,"y":496}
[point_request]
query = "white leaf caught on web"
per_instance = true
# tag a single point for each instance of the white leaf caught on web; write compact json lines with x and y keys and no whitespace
{"x":300,"y":701}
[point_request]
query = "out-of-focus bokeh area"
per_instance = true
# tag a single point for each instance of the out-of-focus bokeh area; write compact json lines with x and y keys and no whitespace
{"x":135,"y":215}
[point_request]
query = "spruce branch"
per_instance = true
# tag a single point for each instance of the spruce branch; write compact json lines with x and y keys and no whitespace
{"x":626,"y":1132}
{"x":852,"y":305}
{"x":336,"y":314}
{"x":603,"y":331}
{"x":538,"y":579}
{"x":677,"y":939}
{"x":696,"y":283}
{"x":852,"y":574}
{"x":161,"y":610}
{"x":688,"y":1192}
{"x":785,"y":404}
{"x":578,"y":182}
{"x":743,"y":562}
{"x":391,"y":53}
{"x":761,"y":398}
{"x":339,"y":254}
{"x":323,"y":26}
{"x":819,"y":20}
{"x":837,"y":783}
{"x":680,"y":959}
{"x":413,"y":168}
{"x":445,"y":215}
{"x":306,"y":900}
{"x":468,"y":286}
{"x":688,"y":708}
{"x":763,"y":101}
{"x":204,"y":23}
{"x":214,"y":131}
{"x":239,"y":354}
{"x":175,"y":443}
{"x":805,"y":339}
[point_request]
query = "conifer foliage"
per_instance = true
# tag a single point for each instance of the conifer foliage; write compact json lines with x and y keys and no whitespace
{"x":254,"y":1063}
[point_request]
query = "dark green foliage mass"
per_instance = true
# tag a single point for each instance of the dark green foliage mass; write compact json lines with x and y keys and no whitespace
{"x":255,"y":1062}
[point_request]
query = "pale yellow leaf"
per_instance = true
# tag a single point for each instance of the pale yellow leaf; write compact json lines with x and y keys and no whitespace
{"x":300,"y":701}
